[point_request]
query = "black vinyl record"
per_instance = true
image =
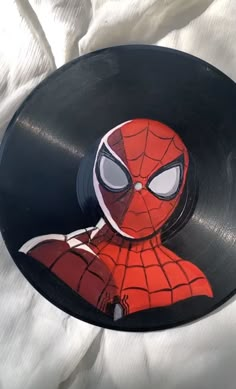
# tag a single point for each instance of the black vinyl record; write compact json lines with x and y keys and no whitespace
{"x":118,"y":189}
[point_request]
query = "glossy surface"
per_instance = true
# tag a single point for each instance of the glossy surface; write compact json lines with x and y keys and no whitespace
{"x":76,"y":106}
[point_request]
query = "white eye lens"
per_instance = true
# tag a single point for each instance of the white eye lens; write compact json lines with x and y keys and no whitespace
{"x":166,"y":183}
{"x":112,"y":175}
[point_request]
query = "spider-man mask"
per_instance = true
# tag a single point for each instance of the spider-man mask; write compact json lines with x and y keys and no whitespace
{"x":139,"y":175}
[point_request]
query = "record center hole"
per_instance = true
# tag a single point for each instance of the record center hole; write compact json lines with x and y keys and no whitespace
{"x":138,"y":186}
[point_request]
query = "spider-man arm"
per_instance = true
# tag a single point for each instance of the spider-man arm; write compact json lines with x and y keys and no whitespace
{"x":59,"y":253}
{"x":52,"y":245}
{"x":73,"y":260}
{"x":46,"y":249}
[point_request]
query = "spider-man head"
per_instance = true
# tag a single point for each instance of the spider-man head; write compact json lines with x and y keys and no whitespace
{"x":139,"y":175}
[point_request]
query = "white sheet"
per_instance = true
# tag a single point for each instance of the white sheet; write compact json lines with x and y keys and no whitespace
{"x":41,"y":347}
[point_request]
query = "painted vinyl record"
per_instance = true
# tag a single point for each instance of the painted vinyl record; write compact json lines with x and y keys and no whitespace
{"x":118,"y":190}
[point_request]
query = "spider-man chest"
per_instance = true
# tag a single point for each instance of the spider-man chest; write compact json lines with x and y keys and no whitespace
{"x":138,"y":276}
{"x":118,"y":276}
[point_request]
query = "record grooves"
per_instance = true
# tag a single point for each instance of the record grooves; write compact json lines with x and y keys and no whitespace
{"x":118,"y":190}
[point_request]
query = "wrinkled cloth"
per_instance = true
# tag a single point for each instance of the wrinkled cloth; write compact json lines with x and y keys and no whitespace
{"x":41,"y":347}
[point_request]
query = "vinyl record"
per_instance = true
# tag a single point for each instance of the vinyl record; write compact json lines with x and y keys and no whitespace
{"x":118,"y":189}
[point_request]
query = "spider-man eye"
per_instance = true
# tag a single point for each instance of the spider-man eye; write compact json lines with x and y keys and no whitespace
{"x":112,"y":174}
{"x":166,"y":184}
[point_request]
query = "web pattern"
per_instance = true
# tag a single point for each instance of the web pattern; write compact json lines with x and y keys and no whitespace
{"x":105,"y":268}
{"x":145,"y":148}
{"x":137,"y":277}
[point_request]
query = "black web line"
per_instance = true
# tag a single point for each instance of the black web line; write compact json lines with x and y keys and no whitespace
{"x":149,"y":215}
{"x":105,"y":301}
{"x":136,"y":248}
{"x":106,"y":242}
{"x":164,"y":289}
{"x":145,"y":228}
{"x":163,"y":156}
{"x":110,"y":257}
{"x":164,"y":272}
{"x":142,"y":229}
{"x":182,"y":150}
{"x":68,"y":249}
{"x":150,"y":210}
{"x":141,"y":176}
{"x":145,"y":275}
{"x":180,"y":267}
{"x":148,"y":156}
{"x":92,"y":261}
{"x":131,"y":196}
{"x":158,"y":161}
{"x":112,"y":238}
{"x":125,"y":270}
{"x":141,"y":266}
{"x":61,"y":255}
{"x":111,"y":274}
{"x":132,"y":229}
{"x":85,"y":232}
{"x":97,"y":275}
{"x":105,"y":245}
{"x":135,"y":251}
{"x":135,"y":159}
{"x":128,"y":192}
{"x":80,"y":255}
{"x":160,"y":137}
{"x":137,"y":133}
{"x":102,"y":306}
{"x":121,"y":197}
{"x":145,"y":145}
{"x":144,"y":154}
{"x":116,"y":143}
{"x":84,"y":272}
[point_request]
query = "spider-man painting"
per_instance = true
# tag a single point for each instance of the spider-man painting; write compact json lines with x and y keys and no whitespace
{"x":120,"y":266}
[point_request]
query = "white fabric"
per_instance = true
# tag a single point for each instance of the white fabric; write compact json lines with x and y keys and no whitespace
{"x":40,"y":346}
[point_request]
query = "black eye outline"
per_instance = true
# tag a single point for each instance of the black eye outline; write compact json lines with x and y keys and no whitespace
{"x":177,"y":162}
{"x":104,"y":152}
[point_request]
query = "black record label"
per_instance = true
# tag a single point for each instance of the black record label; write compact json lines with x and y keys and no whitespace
{"x":117,"y":188}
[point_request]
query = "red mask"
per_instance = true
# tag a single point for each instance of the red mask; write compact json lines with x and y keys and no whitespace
{"x":139,"y":175}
